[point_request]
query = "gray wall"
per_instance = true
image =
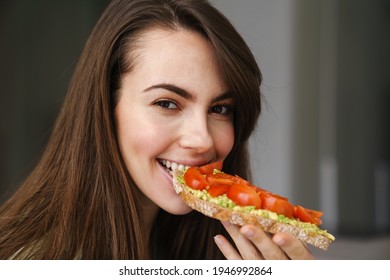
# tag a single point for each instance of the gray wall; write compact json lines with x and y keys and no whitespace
{"x":324,"y":136}
{"x":40,"y":42}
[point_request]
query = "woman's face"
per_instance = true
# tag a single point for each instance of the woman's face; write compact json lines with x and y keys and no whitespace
{"x":173,"y":108}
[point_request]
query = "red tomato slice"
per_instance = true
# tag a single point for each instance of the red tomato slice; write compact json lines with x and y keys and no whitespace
{"x":308,"y":215}
{"x":224,"y":179}
{"x":263,"y":191}
{"x":260,"y":190}
{"x":218,"y":190}
{"x":209,"y":168}
{"x":277,"y":204}
{"x":279,"y":196}
{"x":244,"y":195}
{"x":194,"y":179}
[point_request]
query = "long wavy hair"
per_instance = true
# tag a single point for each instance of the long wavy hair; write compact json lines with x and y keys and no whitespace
{"x":80,"y":201}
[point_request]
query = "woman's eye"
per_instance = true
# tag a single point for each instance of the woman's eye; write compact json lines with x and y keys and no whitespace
{"x":221,"y":110}
{"x":166,"y":104}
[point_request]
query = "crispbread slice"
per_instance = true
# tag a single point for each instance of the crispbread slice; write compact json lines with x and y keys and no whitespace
{"x":237,"y":217}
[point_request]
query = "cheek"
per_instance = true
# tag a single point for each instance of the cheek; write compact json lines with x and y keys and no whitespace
{"x":224,"y":141}
{"x":140,"y":137}
{"x":131,"y":137}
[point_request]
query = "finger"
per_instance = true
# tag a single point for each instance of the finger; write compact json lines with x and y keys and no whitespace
{"x":226,"y":248}
{"x":263,"y":243}
{"x":294,"y":248}
{"x":246,"y":248}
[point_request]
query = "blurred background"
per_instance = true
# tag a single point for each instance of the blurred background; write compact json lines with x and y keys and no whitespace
{"x":324,"y":136}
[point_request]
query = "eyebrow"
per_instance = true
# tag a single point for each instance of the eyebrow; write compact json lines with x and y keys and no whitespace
{"x":185,"y":94}
{"x":175,"y":89}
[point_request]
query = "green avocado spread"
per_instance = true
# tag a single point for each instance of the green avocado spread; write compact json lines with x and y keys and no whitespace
{"x":224,"y":201}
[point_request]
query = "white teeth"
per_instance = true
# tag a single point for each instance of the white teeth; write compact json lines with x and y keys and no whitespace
{"x":173,"y":165}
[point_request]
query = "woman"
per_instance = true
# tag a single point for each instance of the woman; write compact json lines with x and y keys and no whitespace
{"x":160,"y":82}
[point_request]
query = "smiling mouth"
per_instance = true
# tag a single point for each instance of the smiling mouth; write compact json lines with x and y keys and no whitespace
{"x":170,"y":166}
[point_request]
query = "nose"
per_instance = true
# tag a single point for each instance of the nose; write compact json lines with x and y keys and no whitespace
{"x":196,"y":135}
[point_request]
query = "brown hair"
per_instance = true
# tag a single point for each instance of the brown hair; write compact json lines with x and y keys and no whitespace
{"x":80,"y":201}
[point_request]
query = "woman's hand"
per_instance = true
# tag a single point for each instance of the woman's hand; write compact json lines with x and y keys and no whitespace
{"x":253,"y":243}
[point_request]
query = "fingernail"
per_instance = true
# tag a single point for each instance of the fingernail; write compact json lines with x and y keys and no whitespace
{"x":248,"y":232}
{"x":218,"y":240}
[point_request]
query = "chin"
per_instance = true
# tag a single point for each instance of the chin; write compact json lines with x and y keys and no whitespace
{"x":174,"y":209}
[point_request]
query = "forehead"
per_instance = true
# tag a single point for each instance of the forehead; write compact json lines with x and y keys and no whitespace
{"x":179,"y":56}
{"x":170,"y":43}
